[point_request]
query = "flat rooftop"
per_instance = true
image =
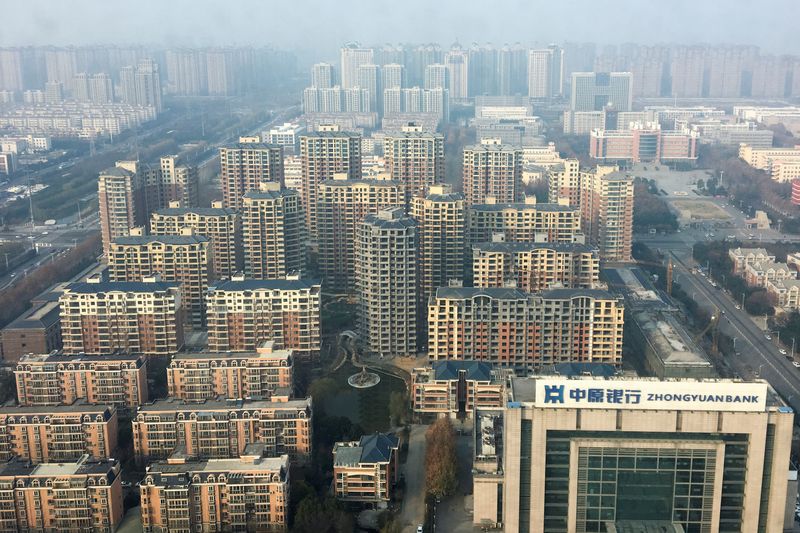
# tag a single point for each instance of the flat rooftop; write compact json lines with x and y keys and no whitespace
{"x":174,"y":405}
{"x":264,"y":464}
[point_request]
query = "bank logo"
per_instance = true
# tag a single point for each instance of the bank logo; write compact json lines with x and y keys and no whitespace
{"x":554,"y":394}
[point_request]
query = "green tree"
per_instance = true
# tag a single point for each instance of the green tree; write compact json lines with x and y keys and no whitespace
{"x":701,"y":184}
{"x":398,"y":407}
{"x":321,"y":516}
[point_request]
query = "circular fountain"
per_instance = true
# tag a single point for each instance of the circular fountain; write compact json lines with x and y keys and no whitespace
{"x":363,"y":379}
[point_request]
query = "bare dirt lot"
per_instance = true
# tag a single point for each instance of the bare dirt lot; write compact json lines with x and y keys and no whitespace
{"x":699,"y":210}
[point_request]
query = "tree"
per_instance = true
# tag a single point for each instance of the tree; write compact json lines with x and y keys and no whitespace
{"x":701,"y":184}
{"x":760,"y":303}
{"x":321,"y":516}
{"x":441,"y":464}
{"x":398,"y":407}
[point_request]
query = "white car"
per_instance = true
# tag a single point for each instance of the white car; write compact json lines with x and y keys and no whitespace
{"x":769,"y":338}
{"x":796,"y":364}
{"x":782,"y":351}
{"x":419,"y":529}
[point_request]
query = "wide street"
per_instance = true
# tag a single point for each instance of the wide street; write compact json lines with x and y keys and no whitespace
{"x":413,"y":512}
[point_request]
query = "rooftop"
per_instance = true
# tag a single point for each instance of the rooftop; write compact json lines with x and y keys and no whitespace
{"x":563,"y":294}
{"x":42,"y":316}
{"x":120,"y":286}
{"x":375,"y":448}
{"x":519,"y":206}
{"x":204,"y":211}
{"x":222,"y":466}
{"x":55,"y":410}
{"x":79,"y":358}
{"x":501,"y":293}
{"x":530,"y":246}
{"x":264,"y":284}
{"x":134,"y":240}
{"x":174,"y":405}
{"x":84,"y":466}
{"x":450,"y":370}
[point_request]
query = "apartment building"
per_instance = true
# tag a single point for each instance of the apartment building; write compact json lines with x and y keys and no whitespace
{"x":414,"y":158}
{"x":246,"y":493}
{"x":179,"y":182}
{"x":386,"y":248}
{"x":742,"y":257}
{"x":441,"y":221}
{"x":119,"y":194}
{"x":366,"y":470}
{"x":534,"y":267}
{"x":607,"y":213}
{"x":456,"y":388}
{"x":184,"y":259}
{"x":75,"y":497}
{"x":220,"y":225}
{"x":273,"y":232}
{"x":245,"y":165}
{"x":324,"y":154}
{"x":524,"y":222}
{"x":786,"y":293}
{"x":760,"y":273}
{"x":218,"y":429}
{"x":196,"y":377}
{"x":492,"y":169}
{"x":342,"y":206}
{"x":38,"y":330}
{"x":58,"y":434}
{"x":243,"y":314}
{"x":765,"y":158}
{"x":564,"y":181}
{"x":102,"y":318}
{"x":119,"y":380}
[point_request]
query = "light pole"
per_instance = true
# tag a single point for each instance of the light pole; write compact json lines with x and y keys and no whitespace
{"x":758,"y":374}
{"x":793,"y":339}
{"x":734,"y":344}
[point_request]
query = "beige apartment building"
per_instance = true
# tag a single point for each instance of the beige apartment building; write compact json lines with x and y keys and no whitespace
{"x":179,"y":182}
{"x":493,"y":170}
{"x":414,"y":158}
{"x":273,"y":232}
{"x":760,"y":273}
{"x":246,"y":493}
{"x":607,"y":214}
{"x":386,"y":248}
{"x":342,"y":204}
{"x":742,"y":257}
{"x":366,"y":470}
{"x":222,"y":428}
{"x":196,"y":377}
{"x":119,"y":195}
{"x":58,"y":434}
{"x":524,"y":222}
{"x":456,"y":388}
{"x":324,"y":154}
{"x":184,"y":259}
{"x":119,"y":380}
{"x":220,"y":225}
{"x":243,"y":314}
{"x":601,"y":454}
{"x":441,"y":221}
{"x":535,"y":267}
{"x":765,"y":158}
{"x":72,"y":497}
{"x":564,"y":181}
{"x":102,"y":318}
{"x":245,"y":165}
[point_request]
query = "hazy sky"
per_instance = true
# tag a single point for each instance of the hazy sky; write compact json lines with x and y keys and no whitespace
{"x":771,"y":24}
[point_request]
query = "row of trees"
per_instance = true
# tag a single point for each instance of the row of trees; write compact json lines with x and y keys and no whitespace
{"x":441,"y":467}
{"x":649,"y":209}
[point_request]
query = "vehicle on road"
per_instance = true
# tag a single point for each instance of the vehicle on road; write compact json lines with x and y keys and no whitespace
{"x":738,"y":306}
{"x":768,"y":337}
{"x":796,"y":364}
{"x":419,"y":529}
{"x":783,"y":352}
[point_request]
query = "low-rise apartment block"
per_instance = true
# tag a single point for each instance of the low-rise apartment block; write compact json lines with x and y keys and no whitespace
{"x":119,"y":380}
{"x":534,"y":267}
{"x":58,"y":434}
{"x":366,"y":470}
{"x":524,"y":222}
{"x":242,"y":314}
{"x":75,"y":497}
{"x":760,"y":273}
{"x":742,"y":257}
{"x":196,"y":377}
{"x":101,"y":318}
{"x":38,"y":330}
{"x":220,"y":225}
{"x":222,"y":428}
{"x":786,"y":293}
{"x":247,"y":493}
{"x":451,"y":388}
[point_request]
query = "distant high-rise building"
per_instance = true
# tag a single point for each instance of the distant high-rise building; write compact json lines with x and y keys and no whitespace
{"x":441,"y":221}
{"x":386,"y":245}
{"x":119,"y":197}
{"x":342,"y":205}
{"x":368,"y":77}
{"x":148,"y":84}
{"x":393,"y":75}
{"x":512,"y":70}
{"x":273,"y":232}
{"x":101,"y":89}
{"x":437,"y":76}
{"x":457,"y":62}
{"x":545,"y":72}
{"x":415,"y":159}
{"x":493,"y":170}
{"x":187,"y":72}
{"x":607,"y":212}
{"x":245,"y":165}
{"x":179,"y":182}
{"x":418,"y":58}
{"x":352,"y":57}
{"x":595,"y":91}
{"x":524,"y":222}
{"x":54,"y":92}
{"x":482,"y":71}
{"x":80,"y":87}
{"x":324,"y":154}
{"x":127,"y":85}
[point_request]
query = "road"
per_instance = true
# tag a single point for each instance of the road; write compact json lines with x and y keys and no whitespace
{"x":413,"y":511}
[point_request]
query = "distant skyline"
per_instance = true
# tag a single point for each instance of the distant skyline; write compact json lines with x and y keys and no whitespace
{"x":325,"y":25}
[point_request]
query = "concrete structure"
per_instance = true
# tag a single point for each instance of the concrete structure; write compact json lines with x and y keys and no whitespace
{"x":366,"y":470}
{"x":196,"y":377}
{"x":492,"y":170}
{"x":273,"y":232}
{"x":583,"y":122}
{"x":218,"y":429}
{"x":765,"y":158}
{"x":742,"y":257}
{"x":595,"y":91}
{"x":119,"y":380}
{"x":415,"y":159}
{"x":185,"y":259}
{"x":644,"y":143}
{"x":245,"y":165}
{"x":607,"y":213}
{"x":708,"y":455}
{"x":342,"y":205}
{"x":71,"y":497}
{"x":441,"y":220}
{"x":243,"y":314}
{"x":534,"y":267}
{"x":246,"y":493}
{"x":385,"y":274}
{"x":58,"y":434}
{"x":456,"y":388}
{"x":352,"y":57}
{"x":220,"y":225}
{"x":545,"y":72}
{"x":131,"y":317}
{"x":324,"y":154}
{"x":524,"y":222}
{"x":38,"y":330}
{"x":8,"y":163}
{"x":286,"y":135}
{"x":322,"y":75}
